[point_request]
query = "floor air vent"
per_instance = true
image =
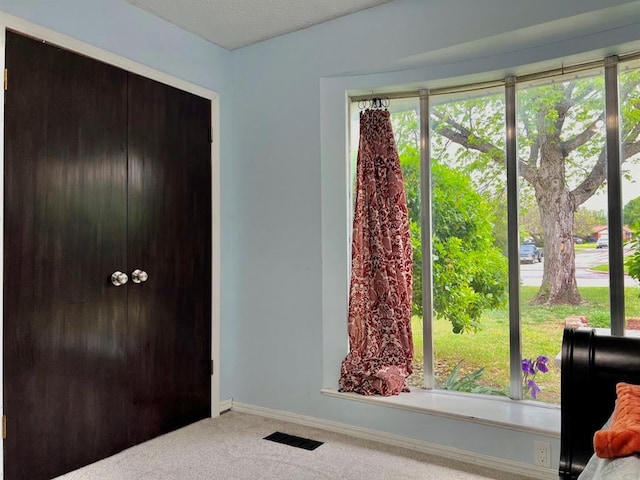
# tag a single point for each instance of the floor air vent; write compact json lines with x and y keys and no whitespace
{"x":294,"y":441}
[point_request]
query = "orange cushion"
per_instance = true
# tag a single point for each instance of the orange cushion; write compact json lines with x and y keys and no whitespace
{"x":623,"y":437}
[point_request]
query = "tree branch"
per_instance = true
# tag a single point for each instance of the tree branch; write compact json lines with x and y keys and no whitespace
{"x":592,"y":182}
{"x":599,"y":173}
{"x":460,"y":135}
{"x":535,"y":146}
{"x":462,"y":138}
{"x":581,"y":138}
{"x":632,"y":134}
{"x":630,"y":149}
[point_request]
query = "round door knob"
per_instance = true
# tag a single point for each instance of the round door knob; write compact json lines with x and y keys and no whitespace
{"x":139,"y":276}
{"x":119,"y":278}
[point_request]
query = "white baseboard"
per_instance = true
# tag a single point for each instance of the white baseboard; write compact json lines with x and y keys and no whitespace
{"x":399,"y":441}
{"x":226,"y":405}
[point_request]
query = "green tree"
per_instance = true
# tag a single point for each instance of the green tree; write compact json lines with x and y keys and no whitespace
{"x":633,"y":260}
{"x":406,"y":132}
{"x":469,"y":271}
{"x":631,"y":213}
{"x":561,"y":157}
{"x":530,"y":225}
{"x":585,"y":220}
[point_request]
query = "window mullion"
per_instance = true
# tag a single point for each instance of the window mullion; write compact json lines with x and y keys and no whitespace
{"x":426,"y":234}
{"x":614,"y":192}
{"x":513,"y":240}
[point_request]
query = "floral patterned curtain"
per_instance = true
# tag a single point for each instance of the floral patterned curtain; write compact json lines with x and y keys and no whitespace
{"x":380,"y":341}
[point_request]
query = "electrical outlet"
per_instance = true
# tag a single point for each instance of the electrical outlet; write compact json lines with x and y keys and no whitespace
{"x":542,"y":454}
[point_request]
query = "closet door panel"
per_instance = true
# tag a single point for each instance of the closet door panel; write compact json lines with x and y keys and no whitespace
{"x":169,"y":239}
{"x":66,"y":392}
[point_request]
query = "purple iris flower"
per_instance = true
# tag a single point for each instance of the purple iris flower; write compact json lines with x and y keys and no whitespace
{"x":530,"y":368}
{"x":533,"y":388}
{"x":541,"y":364}
{"x":527,"y":366}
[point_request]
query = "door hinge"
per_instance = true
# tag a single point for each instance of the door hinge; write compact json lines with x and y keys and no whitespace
{"x":6,"y":79}
{"x":210,"y":135}
{"x":4,"y":427}
{"x":211,"y":367}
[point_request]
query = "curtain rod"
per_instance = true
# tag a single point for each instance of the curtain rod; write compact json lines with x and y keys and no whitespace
{"x":469,"y":87}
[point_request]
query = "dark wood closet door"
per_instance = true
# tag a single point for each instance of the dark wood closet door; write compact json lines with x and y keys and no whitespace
{"x":66,"y":392}
{"x":169,"y":239}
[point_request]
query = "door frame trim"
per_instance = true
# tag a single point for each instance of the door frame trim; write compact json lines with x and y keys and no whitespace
{"x":27,"y":28}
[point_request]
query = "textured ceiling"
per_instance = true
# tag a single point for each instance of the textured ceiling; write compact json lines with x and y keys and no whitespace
{"x":236,"y":23}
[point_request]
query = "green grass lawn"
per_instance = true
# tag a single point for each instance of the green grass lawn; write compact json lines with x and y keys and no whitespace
{"x":542,"y":328}
{"x":584,"y":246}
{"x":605,"y":268}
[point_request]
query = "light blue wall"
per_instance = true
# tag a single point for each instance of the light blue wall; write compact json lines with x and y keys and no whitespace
{"x":129,"y":32}
{"x":291,"y":245}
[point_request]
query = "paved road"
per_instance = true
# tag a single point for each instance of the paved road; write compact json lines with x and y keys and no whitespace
{"x":585,"y":259}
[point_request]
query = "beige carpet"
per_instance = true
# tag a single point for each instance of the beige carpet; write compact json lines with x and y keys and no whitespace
{"x":231,"y":447}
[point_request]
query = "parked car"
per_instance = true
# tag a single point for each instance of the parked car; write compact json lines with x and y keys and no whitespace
{"x":529,"y":253}
{"x":603,"y":242}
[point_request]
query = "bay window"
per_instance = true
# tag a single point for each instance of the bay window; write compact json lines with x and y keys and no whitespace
{"x":510,"y":185}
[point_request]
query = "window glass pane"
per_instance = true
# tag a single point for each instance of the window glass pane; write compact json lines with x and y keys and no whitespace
{"x":405,"y":119}
{"x":563,"y":219}
{"x":629,"y":95}
{"x":469,"y":221}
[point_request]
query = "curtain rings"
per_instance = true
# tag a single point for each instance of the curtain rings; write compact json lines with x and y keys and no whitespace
{"x":374,"y":103}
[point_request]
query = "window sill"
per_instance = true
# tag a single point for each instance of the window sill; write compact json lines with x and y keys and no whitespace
{"x":522,"y":416}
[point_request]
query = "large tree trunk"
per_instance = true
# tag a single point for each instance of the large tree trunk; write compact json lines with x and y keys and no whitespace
{"x":557,"y":207}
{"x":542,"y":162}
